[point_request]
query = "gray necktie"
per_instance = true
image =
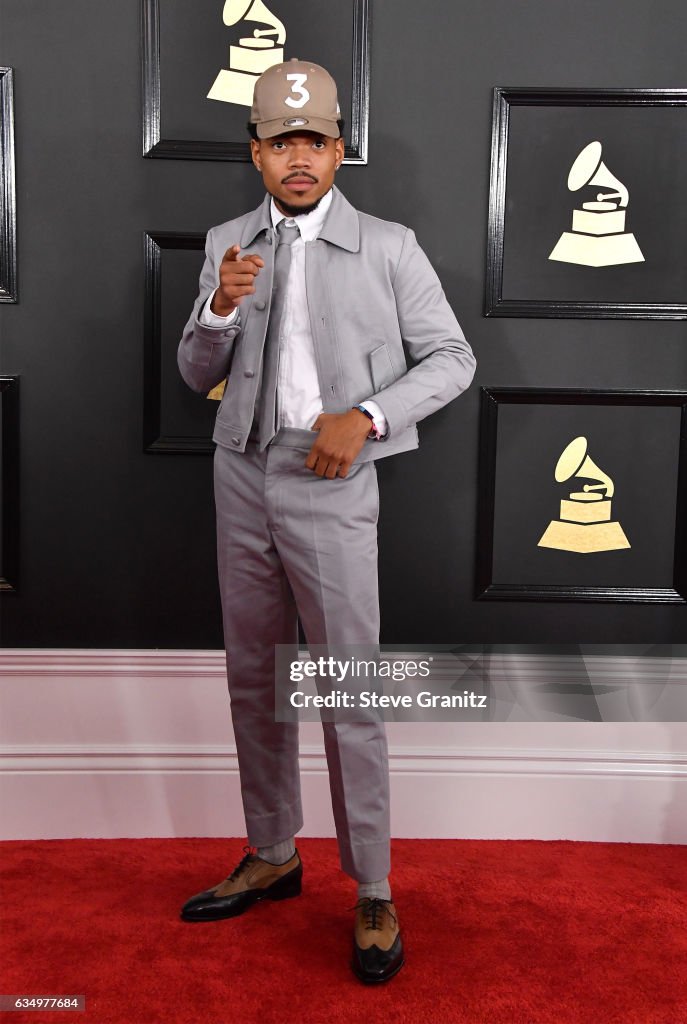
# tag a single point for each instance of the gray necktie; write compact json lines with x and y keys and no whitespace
{"x":268,"y":391}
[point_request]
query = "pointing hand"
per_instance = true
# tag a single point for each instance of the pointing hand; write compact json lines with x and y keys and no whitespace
{"x":236,"y":279}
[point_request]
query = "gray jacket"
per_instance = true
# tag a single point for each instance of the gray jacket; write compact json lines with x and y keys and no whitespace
{"x":373,"y":297}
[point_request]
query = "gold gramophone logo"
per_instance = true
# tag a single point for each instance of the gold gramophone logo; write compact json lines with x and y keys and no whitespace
{"x":253,"y":55}
{"x":585,"y":524}
{"x":598,"y":237}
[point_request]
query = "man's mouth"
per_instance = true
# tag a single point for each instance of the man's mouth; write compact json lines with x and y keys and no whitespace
{"x":299,"y":182}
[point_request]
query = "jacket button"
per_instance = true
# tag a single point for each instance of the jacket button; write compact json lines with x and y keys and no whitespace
{"x":236,"y":440}
{"x":268,"y":239}
{"x":248,"y":373}
{"x":260,"y":305}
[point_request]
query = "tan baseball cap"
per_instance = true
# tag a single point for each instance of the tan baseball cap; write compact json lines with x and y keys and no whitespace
{"x":292,"y":96}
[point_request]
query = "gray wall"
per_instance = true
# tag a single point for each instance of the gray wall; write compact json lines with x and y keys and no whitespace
{"x":117,"y":546}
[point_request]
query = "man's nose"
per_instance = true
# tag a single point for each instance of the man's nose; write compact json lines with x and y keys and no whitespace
{"x":300,"y":156}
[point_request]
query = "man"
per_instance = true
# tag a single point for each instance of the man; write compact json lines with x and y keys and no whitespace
{"x":307,"y":307}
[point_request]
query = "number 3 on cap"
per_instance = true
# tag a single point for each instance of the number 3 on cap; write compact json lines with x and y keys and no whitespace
{"x":297,"y":87}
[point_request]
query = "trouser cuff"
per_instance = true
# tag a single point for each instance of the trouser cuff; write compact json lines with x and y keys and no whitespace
{"x":271,"y":829}
{"x":366,"y":862}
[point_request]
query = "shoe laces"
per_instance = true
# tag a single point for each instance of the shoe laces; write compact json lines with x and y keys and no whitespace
{"x":373,"y":906}
{"x":243,"y":864}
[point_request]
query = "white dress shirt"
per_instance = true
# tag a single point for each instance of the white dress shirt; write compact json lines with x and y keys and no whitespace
{"x":299,"y":401}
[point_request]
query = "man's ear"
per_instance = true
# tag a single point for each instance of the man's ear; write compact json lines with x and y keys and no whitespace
{"x":340,"y":151}
{"x":255,"y":153}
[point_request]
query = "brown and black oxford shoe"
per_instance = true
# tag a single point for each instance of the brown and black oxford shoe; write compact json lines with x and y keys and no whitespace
{"x":377,"y":946}
{"x":252,"y":880}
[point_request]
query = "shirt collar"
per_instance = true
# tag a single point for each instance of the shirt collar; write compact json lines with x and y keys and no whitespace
{"x":341,"y":227}
{"x":309,"y":224}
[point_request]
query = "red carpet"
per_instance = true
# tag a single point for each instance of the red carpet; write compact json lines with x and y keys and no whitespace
{"x":496,"y":932}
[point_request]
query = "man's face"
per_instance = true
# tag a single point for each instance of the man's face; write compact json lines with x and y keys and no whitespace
{"x":297,"y":168}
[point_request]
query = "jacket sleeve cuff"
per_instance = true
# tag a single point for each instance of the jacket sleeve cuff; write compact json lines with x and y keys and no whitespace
{"x":207,"y":339}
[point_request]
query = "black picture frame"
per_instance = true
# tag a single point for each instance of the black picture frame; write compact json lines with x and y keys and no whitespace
{"x":8,"y":194}
{"x":569,"y":291}
{"x":9,"y":484}
{"x":160,"y":358}
{"x":157,"y":147}
{"x":487,"y":586}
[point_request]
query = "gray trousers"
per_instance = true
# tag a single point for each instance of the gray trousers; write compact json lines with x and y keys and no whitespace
{"x":291,"y":544}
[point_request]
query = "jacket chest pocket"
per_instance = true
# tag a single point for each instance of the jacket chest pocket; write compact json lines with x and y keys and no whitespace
{"x":380,"y":367}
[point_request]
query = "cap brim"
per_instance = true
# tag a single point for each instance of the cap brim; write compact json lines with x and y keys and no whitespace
{"x":269,"y":129}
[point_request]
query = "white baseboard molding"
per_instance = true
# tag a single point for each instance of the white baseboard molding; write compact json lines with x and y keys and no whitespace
{"x":109,"y":744}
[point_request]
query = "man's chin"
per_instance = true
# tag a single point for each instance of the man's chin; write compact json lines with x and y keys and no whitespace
{"x":294,"y":209}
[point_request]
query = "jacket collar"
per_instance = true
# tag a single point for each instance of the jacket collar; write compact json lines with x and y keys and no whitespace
{"x":341,"y":226}
{"x":256,"y":222}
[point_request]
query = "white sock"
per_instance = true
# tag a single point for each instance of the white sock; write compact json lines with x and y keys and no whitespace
{"x":279,"y":853}
{"x":375,"y":890}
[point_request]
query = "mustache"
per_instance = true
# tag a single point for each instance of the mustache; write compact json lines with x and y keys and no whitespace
{"x":299,"y":174}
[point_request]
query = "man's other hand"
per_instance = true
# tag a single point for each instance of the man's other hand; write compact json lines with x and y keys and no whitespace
{"x":236,"y":279}
{"x":340,"y":439}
